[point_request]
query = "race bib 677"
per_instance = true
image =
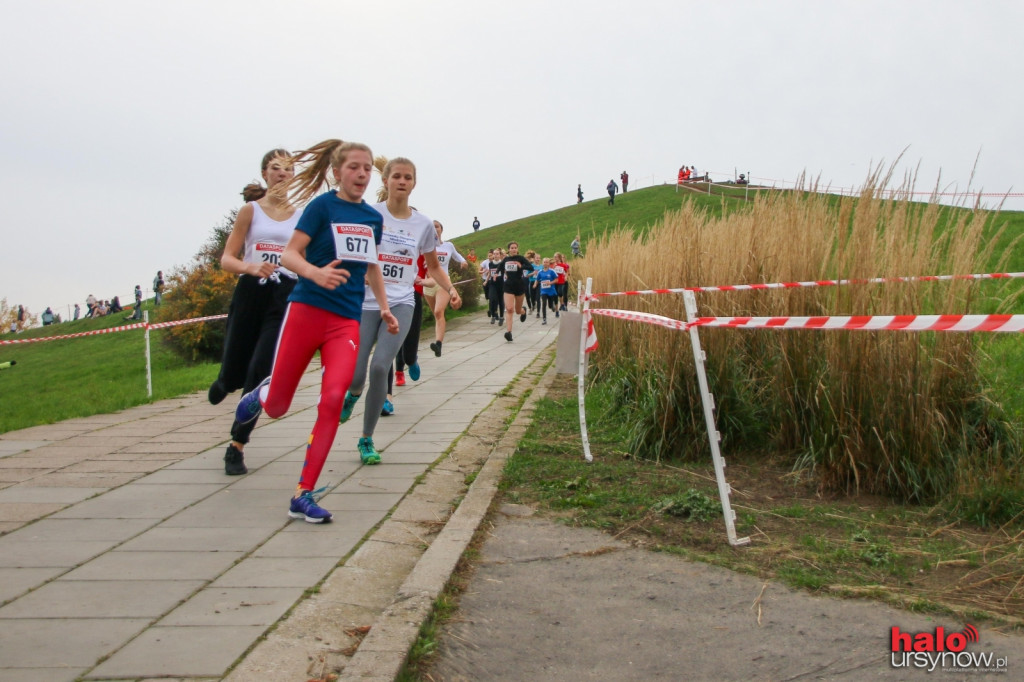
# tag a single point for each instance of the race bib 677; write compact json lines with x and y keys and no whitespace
{"x":354,"y":242}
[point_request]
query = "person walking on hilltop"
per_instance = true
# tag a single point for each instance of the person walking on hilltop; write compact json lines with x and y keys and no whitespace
{"x":612,"y":189}
{"x":407,"y":235}
{"x":333,"y":250}
{"x":579,"y":194}
{"x":476,"y":223}
{"x":516,"y":269}
{"x":158,"y":288}
{"x":253,"y":252}
{"x":624,"y":177}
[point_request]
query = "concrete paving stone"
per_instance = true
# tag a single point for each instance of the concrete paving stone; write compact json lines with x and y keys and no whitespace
{"x":14,"y":446}
{"x":399,"y":454}
{"x":71,"y":450}
{"x":26,"y":461}
{"x":126,"y":503}
{"x":171,"y":476}
{"x":115,"y":466}
{"x":407,"y":533}
{"x":225,"y":539}
{"x":102,"y":439}
{"x":19,"y":475}
{"x":385,"y":557}
{"x":81,"y":641}
{"x":15,"y":553}
{"x":373,"y":666}
{"x":49,"y":433}
{"x":241,"y":508}
{"x":7,"y":527}
{"x":190,"y":437}
{"x":63,"y":479}
{"x":419,"y":510}
{"x":367,"y":502}
{"x":179,"y":651}
{"x":358,"y":483}
{"x":333,"y":540}
{"x":29,"y":491}
{"x":277,"y":572}
{"x":162,"y":446}
{"x":155,"y":566}
{"x":37,"y":674}
{"x":100,"y":599}
{"x":279,"y":484}
{"x":129,"y":456}
{"x":82,"y":530}
{"x":17,"y":581}
{"x":235,"y":606}
{"x":207,"y":460}
{"x":14,"y":512}
{"x":369,"y":587}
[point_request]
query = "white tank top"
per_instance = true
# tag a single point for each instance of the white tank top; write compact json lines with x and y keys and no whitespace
{"x":267,"y":238}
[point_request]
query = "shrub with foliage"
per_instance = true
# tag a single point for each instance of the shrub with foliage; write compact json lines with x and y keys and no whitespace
{"x":9,"y":315}
{"x":199,"y":289}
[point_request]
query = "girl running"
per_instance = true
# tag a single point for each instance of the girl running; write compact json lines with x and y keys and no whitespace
{"x":262,"y":228}
{"x":546,"y":279}
{"x":516,"y":269}
{"x":333,"y":250}
{"x":496,"y":279}
{"x":561,"y":269}
{"x":437,"y":298}
{"x":407,"y":234}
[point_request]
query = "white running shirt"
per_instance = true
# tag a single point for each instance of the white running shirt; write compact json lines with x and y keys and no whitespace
{"x":402,"y":243}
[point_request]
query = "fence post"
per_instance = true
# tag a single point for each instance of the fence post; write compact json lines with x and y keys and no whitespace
{"x":149,"y":362}
{"x":581,"y":372}
{"x":714,"y":437}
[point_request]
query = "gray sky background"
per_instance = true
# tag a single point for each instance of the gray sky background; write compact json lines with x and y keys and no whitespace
{"x":130,"y":126}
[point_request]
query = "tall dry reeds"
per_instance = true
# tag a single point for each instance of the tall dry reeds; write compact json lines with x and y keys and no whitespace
{"x":891,"y":412}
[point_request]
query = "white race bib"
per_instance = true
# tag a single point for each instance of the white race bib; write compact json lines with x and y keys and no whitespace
{"x":398,"y":258}
{"x":442,"y":259}
{"x":545,"y":284}
{"x":354,"y":242}
{"x":269,"y":252}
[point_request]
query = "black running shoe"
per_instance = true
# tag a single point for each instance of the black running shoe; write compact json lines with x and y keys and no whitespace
{"x":234,"y":464}
{"x":436,"y":347}
{"x":508,"y":336}
{"x":522,"y":318}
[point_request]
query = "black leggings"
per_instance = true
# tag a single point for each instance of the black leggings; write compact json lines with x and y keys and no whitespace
{"x":496,"y":300}
{"x":409,"y":352}
{"x":250,"y":339}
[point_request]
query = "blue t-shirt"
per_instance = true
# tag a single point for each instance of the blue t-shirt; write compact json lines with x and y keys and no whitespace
{"x":316,"y":221}
{"x":547,"y":279}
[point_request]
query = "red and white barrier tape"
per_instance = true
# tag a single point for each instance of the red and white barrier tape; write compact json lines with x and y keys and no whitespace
{"x":816,"y":283}
{"x":909,"y":323}
{"x":111,"y":330}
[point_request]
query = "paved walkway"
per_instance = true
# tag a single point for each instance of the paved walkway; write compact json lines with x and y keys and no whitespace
{"x":128,"y":554}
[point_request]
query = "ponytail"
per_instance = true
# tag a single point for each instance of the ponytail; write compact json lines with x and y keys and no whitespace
{"x":253,"y":192}
{"x":319,"y":159}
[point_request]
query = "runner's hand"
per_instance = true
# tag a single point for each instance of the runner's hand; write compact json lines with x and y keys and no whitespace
{"x":390,"y":320}
{"x":331,"y":277}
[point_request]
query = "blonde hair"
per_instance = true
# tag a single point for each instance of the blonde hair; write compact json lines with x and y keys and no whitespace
{"x":318,"y":159}
{"x":382,"y":164}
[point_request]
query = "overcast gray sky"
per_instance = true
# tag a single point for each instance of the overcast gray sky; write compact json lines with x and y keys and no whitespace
{"x":130,"y":126}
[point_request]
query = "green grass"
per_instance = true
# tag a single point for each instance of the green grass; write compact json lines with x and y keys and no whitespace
{"x":58,"y":380}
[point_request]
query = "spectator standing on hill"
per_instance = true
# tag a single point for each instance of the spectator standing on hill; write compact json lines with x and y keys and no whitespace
{"x":47,"y":317}
{"x":612,"y":189}
{"x":78,"y":311}
{"x":21,"y":317}
{"x":158,"y":287}
{"x":624,"y":177}
{"x":137,"y":314}
{"x":476,"y":223}
{"x":579,"y":194}
{"x":575,"y":246}
{"x":90,"y":305}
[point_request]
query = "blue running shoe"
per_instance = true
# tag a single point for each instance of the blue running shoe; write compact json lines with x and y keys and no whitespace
{"x":305,"y":507}
{"x":249,"y":407}
{"x":348,"y":406}
{"x":414,"y":371}
{"x":367,"y":453}
{"x":388,"y":409}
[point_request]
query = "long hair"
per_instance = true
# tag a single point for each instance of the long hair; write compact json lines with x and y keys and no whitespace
{"x":317,"y":160}
{"x":254,"y":191}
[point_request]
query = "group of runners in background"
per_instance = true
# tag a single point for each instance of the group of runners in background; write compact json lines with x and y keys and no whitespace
{"x":522,"y":284}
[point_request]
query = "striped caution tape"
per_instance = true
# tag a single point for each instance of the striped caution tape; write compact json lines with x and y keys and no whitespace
{"x":813,"y":283}
{"x":111,"y":330}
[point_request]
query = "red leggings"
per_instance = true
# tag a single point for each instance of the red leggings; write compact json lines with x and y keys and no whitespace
{"x":305,"y":330}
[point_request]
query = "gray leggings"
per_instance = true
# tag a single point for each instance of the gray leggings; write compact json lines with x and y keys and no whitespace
{"x":372,"y":330}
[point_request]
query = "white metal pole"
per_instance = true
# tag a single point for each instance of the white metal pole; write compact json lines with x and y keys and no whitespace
{"x":714,"y":436}
{"x":149,"y":362}
{"x":581,"y":372}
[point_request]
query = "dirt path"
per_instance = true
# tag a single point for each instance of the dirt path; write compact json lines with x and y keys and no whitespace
{"x":547,"y":602}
